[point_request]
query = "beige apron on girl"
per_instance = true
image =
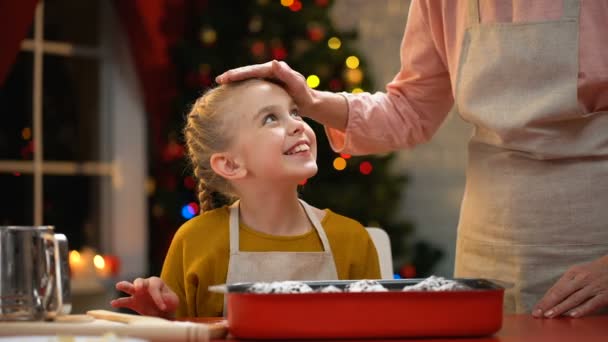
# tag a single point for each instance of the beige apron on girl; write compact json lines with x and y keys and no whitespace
{"x":536,"y":196}
{"x":275,"y":266}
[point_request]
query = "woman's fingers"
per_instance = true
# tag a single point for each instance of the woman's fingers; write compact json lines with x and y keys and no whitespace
{"x":264,"y":70}
{"x":590,"y":306}
{"x":568,"y":304}
{"x":559,"y":292}
{"x":582,"y":290}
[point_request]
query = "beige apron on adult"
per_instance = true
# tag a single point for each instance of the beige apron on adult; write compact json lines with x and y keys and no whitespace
{"x":537,"y":175}
{"x":275,"y":266}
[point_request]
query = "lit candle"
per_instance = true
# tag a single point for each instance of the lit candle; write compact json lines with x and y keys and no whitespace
{"x":81,"y":263}
{"x":101,"y":267}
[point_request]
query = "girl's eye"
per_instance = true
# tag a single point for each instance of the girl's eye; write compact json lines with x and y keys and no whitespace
{"x":269,"y":118}
{"x":295,"y":113}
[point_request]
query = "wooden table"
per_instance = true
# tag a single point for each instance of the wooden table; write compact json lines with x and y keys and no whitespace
{"x":524,"y":328}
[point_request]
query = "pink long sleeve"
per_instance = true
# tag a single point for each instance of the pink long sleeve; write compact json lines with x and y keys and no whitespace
{"x":418,"y":99}
{"x":414,"y":105}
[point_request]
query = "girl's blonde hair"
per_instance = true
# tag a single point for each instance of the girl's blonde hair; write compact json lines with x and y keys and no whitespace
{"x":207,"y":131}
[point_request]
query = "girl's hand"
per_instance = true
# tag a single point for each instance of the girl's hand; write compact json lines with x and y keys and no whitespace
{"x":582,"y":290}
{"x":150,"y":297}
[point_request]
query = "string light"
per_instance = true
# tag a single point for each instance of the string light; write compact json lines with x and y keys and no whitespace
{"x":357,"y":90}
{"x":313,"y":81}
{"x":258,"y":48}
{"x":189,"y":210}
{"x":26,"y":133}
{"x":296,"y":6}
{"x":189,"y":182}
{"x":352,"y":62}
{"x":287,"y":3}
{"x":150,"y":185}
{"x":334,"y":43}
{"x":194,"y":207}
{"x":158,"y":211}
{"x":339,"y":163}
{"x":255,"y":25}
{"x":345,"y":156}
{"x":365,"y":168}
{"x":208,"y":36}
{"x":354,"y":76}
{"x":316,"y":31}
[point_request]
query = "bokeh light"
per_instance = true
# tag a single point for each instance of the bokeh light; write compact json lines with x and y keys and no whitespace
{"x":313,"y":81}
{"x":99,"y":262}
{"x":188,"y":211}
{"x":339,"y":163}
{"x":334,"y":43}
{"x":352,"y":62}
{"x":26,"y":133}
{"x":208,"y":36}
{"x":354,"y":76}
{"x":365,"y":168}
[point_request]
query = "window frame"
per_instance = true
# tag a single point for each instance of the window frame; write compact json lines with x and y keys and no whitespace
{"x":123,"y":166}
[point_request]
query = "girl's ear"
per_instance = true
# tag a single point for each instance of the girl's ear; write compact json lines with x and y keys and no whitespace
{"x":227,"y":166}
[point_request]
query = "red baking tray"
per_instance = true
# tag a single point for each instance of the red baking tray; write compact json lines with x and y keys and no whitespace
{"x":473,"y":312}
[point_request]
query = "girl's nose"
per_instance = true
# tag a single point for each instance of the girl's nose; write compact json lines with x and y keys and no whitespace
{"x":295,"y":126}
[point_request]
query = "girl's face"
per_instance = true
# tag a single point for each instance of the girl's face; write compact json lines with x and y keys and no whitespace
{"x":272,"y":139}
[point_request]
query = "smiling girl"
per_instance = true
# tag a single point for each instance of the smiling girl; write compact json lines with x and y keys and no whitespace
{"x":248,"y":143}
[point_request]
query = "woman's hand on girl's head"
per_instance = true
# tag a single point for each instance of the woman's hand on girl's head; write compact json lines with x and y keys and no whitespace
{"x":149,"y":296}
{"x":294,"y":82}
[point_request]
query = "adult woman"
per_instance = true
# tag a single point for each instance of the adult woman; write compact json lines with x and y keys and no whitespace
{"x":533,"y":80}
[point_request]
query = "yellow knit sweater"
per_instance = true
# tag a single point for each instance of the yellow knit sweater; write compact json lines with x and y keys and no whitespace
{"x":199,"y":253}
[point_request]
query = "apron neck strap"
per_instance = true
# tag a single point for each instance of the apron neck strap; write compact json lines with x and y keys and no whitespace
{"x":315,"y":222}
{"x":234,"y":226}
{"x":570,"y":10}
{"x":473,"y":17}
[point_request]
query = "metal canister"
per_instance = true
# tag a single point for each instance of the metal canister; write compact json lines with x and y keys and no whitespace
{"x":30,"y":273}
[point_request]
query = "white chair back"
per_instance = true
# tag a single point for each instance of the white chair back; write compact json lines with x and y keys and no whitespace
{"x":383,"y":246}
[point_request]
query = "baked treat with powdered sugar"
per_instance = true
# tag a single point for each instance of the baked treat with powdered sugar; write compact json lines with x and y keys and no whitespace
{"x":365,"y":285}
{"x":280,"y":287}
{"x":434,"y":283}
{"x":330,"y":289}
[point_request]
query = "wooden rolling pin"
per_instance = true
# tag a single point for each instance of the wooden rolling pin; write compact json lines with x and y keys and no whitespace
{"x":213,"y":330}
{"x":126,"y":318}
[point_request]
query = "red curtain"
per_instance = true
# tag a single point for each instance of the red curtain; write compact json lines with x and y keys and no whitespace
{"x":152,"y":27}
{"x":15,"y":19}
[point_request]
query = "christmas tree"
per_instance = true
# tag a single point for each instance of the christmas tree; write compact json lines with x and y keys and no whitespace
{"x":223,"y":36}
